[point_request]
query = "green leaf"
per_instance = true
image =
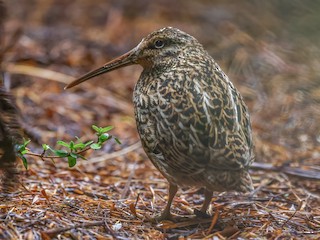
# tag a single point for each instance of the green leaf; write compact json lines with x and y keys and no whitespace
{"x":24,"y":161}
{"x":95,"y":146}
{"x":26,"y":142}
{"x":96,"y":128}
{"x":71,"y":145}
{"x":106,"y":129}
{"x":24,"y":151}
{"x":79,"y":146}
{"x":21,"y":148}
{"x":117,"y":140}
{"x":74,"y":155}
{"x":64,"y":144}
{"x":61,"y":153}
{"x":18,"y":147}
{"x":88,"y":143}
{"x":45,"y":147}
{"x":72,"y":161}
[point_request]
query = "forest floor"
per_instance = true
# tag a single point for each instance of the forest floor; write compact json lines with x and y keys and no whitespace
{"x":269,"y":50}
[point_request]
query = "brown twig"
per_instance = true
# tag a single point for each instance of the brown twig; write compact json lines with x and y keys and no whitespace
{"x":293,"y":171}
{"x":107,"y":227}
{"x":54,"y":232}
{"x":108,"y":156}
{"x":214,"y":221}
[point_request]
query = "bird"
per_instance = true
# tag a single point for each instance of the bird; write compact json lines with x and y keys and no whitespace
{"x":193,"y":123}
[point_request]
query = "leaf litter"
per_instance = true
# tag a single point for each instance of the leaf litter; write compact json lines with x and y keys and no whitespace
{"x":113,"y":193}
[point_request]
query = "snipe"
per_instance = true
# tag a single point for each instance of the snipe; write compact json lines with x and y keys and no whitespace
{"x":192,"y":121}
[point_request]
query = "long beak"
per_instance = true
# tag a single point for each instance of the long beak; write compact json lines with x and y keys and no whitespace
{"x":122,"y":61}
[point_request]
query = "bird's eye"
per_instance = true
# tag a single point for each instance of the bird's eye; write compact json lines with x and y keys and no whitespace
{"x":159,"y":44}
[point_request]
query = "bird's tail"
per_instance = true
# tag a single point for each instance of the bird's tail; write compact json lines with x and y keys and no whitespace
{"x":224,"y":180}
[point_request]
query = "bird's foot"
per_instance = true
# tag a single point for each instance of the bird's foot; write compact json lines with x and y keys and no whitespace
{"x":201,"y":214}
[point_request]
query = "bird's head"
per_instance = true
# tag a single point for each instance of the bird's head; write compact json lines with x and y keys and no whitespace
{"x":158,"y":49}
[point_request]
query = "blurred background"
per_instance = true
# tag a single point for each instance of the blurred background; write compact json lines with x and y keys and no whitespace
{"x":269,"y":49}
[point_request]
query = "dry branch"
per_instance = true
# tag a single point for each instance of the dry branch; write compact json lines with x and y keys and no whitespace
{"x":54,"y":232}
{"x":302,"y":171}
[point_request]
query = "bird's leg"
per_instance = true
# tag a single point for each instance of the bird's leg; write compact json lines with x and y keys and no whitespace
{"x":166,"y":212}
{"x":206,"y":203}
{"x":207,"y":200}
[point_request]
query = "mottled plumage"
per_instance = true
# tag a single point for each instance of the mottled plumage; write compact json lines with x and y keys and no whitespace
{"x":192,"y":121}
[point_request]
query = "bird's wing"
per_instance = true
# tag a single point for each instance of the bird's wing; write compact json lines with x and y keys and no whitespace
{"x":228,"y":136}
{"x":202,"y":123}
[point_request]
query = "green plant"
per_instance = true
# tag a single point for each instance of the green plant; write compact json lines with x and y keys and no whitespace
{"x":72,"y":150}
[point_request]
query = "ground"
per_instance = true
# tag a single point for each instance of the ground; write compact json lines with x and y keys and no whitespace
{"x":269,"y":50}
